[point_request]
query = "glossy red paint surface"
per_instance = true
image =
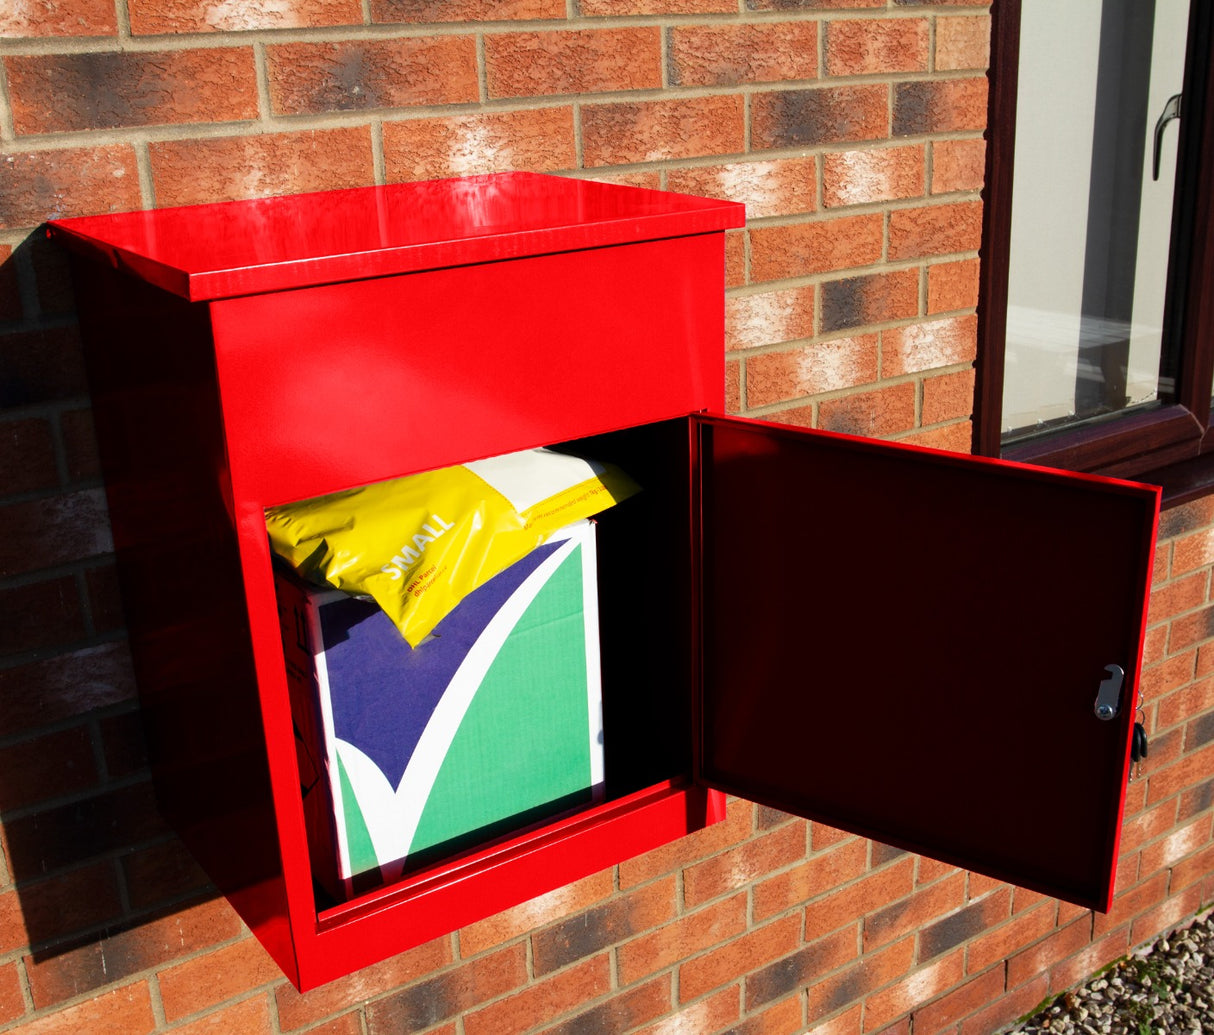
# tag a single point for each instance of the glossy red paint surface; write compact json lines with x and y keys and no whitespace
{"x":941,"y":698}
{"x":244,"y":355}
{"x":203,"y":252}
{"x":232,"y":370}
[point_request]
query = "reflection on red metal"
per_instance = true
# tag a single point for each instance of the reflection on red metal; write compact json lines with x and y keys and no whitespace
{"x":248,"y":354}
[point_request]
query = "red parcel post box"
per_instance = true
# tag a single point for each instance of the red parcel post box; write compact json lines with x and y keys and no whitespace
{"x":908,"y":644}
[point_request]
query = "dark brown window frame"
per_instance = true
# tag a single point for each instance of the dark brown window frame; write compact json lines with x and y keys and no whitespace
{"x":1172,"y":444}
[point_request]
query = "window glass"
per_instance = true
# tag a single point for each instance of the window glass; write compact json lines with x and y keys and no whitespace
{"x":1091,"y":222}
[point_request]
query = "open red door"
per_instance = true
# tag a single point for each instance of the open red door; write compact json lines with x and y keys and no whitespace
{"x":910,"y":645}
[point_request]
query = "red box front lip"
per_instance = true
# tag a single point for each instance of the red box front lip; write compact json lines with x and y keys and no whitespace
{"x":222,"y":250}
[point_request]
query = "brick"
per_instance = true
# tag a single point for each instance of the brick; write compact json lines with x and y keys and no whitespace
{"x":845,"y":906}
{"x":1182,"y":594}
{"x":54,"y":530}
{"x":537,"y":140}
{"x":1009,"y":1007}
{"x":950,"y":931}
{"x":555,"y":906}
{"x":681,"y":939}
{"x":823,"y":836}
{"x":825,"y":366}
{"x":1195,"y":799}
{"x":53,"y":908}
{"x":52,"y":277}
{"x":862,"y":177}
{"x":1185,"y":518}
{"x":999,"y":942}
{"x":780,"y":187}
{"x":791,"y":973}
{"x":845,"y":1024}
{"x":909,"y":914}
{"x":810,"y":5}
{"x":39,"y":615}
{"x":780,"y":1019}
{"x":1082,"y":965}
{"x":874,"y":970}
{"x":115,"y":958}
{"x":739,"y":866}
{"x":66,"y":182}
{"x":952,"y":285}
{"x":869,"y":299}
{"x":161,"y":873}
{"x":58,"y":688}
{"x":716,"y":1013}
{"x":1172,"y":685}
{"x":929,"y":345}
{"x":883,"y":412}
{"x":79,"y":445}
{"x":12,"y":1002}
{"x":963,"y":42}
{"x":164,"y":17}
{"x":358,"y":75}
{"x":66,"y":835}
{"x":1171,"y":849}
{"x":596,"y":929}
{"x":622,"y":1012}
{"x":189,"y":172}
{"x":1191,"y":629}
{"x":1147,"y":825}
{"x":876,"y":46}
{"x":543,"y":1000}
{"x":800,"y":249}
{"x":653,"y":131}
{"x":536,"y":64}
{"x":819,"y":115}
{"x":58,"y":18}
{"x":1164,"y":917}
{"x":935,"y":230}
{"x":735,"y":258}
{"x":299,"y":1010}
{"x":939,"y":106}
{"x":450,"y":993}
{"x":971,"y":996}
{"x":416,"y":11}
{"x":722,"y":966}
{"x":46,"y":767}
{"x":883,"y":1007}
{"x":768,"y":318}
{"x":729,"y":55}
{"x":1192,"y":868}
{"x":958,"y":165}
{"x":1129,"y":902}
{"x":27,"y":459}
{"x":948,"y":397}
{"x":701,"y":844}
{"x":59,"y":93}
{"x":956,"y":438}
{"x":123,"y":1011}
{"x":222,"y":974}
{"x":249,"y":1017}
{"x":1194,"y":551}
{"x":1042,"y":956}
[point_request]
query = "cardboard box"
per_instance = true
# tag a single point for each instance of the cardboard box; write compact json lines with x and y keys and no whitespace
{"x":490,"y":725}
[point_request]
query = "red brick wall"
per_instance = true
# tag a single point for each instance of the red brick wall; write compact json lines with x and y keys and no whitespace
{"x":852,"y":129}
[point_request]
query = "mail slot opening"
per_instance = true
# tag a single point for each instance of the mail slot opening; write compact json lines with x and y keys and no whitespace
{"x":558,"y":686}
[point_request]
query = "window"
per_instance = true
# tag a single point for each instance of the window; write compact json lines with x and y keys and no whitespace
{"x":1097,"y":329}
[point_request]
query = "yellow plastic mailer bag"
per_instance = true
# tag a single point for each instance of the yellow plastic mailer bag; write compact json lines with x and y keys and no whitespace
{"x":420,"y":544}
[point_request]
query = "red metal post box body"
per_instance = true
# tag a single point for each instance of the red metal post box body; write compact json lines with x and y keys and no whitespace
{"x":255,"y":353}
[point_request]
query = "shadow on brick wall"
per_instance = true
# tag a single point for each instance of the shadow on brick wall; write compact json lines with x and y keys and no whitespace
{"x":88,"y":855}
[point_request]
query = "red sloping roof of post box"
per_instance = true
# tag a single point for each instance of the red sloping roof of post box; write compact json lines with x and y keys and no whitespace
{"x":203,"y":252}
